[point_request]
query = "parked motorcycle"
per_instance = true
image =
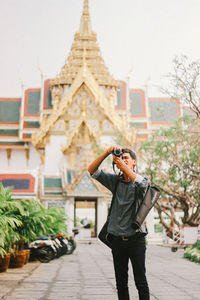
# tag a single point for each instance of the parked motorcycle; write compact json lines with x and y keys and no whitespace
{"x":60,"y":243}
{"x":72,"y":241}
{"x":43,"y":249}
{"x":48,"y":248}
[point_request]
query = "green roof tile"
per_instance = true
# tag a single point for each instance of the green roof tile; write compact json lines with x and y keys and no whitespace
{"x":12,"y":143}
{"x":49,"y":98}
{"x":52,"y":182}
{"x":9,"y":132}
{"x":33,"y":124}
{"x":53,"y":193}
{"x":136,"y":103}
{"x":138,"y":124}
{"x":9,"y":111}
{"x":163,"y":111}
{"x":120,"y":96}
{"x":33,"y":102}
{"x":85,"y":185}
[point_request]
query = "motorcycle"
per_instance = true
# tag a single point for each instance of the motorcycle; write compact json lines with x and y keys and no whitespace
{"x":71,"y":241}
{"x":43,"y":249}
{"x":47,"y":248}
{"x":60,"y":243}
{"x":68,"y":244}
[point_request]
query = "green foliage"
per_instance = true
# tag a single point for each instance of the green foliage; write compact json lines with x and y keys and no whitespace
{"x":24,"y":220}
{"x":193,"y":253}
{"x":8,"y":220}
{"x":197,"y":245}
{"x":34,"y":220}
{"x":172,"y":159}
{"x":56,"y":218}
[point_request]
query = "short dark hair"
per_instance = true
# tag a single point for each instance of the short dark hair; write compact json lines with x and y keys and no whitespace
{"x":132,"y":153}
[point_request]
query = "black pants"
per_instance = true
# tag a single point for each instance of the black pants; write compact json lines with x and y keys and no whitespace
{"x":134,"y":249}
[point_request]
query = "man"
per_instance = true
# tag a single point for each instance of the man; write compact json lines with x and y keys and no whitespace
{"x":127,"y":243}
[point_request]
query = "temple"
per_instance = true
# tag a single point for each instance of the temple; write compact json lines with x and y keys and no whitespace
{"x":50,"y":135}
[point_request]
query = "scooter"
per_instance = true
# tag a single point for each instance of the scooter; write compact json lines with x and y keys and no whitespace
{"x":68,"y":245}
{"x":43,"y":249}
{"x":71,"y":241}
{"x":60,"y":243}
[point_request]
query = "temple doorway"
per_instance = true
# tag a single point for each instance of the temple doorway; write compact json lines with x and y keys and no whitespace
{"x":85,"y":216}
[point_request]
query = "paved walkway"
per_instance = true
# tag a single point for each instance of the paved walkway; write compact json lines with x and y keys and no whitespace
{"x":88,"y":275}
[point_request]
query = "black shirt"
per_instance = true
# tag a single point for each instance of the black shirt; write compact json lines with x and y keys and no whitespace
{"x":122,"y":213}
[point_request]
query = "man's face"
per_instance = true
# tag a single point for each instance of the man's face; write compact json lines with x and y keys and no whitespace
{"x":129,"y":161}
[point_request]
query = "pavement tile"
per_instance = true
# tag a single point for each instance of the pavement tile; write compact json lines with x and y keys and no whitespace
{"x":88,"y":274}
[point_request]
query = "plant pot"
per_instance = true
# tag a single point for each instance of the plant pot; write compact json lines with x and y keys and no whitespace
{"x":27,"y":256}
{"x":17,"y":260}
{"x":4,"y":262}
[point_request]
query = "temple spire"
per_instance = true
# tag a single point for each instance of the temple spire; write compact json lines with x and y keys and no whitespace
{"x":85,"y":52}
{"x":85,"y":25}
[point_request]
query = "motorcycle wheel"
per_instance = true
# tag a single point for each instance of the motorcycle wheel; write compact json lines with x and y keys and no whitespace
{"x":70,"y":248}
{"x":46,"y":254}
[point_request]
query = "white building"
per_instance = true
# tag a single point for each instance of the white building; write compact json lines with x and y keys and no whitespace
{"x":50,"y":135}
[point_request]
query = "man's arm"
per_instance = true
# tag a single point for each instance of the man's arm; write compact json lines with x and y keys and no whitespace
{"x":141,"y":181}
{"x":96,"y":163}
{"x":124,"y":168}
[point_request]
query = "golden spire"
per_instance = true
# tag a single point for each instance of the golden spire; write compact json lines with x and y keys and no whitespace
{"x":85,"y":51}
{"x":85,"y":25}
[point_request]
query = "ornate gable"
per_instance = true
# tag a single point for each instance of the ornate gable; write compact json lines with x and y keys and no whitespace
{"x":85,"y":184}
{"x":62,"y":106}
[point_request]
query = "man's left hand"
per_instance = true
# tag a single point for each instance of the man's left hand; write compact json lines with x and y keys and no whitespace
{"x":119,"y":163}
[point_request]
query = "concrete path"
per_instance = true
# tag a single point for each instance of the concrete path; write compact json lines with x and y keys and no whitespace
{"x":88,"y":275}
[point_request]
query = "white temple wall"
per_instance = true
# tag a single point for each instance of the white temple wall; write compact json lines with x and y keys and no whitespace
{"x":108,"y":141}
{"x":53,"y":155}
{"x":69,"y":211}
{"x":3,"y":161}
{"x":102,"y":211}
{"x":18,"y":161}
{"x":34,"y":160}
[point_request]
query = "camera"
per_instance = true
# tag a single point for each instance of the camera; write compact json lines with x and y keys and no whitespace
{"x":118,"y":152}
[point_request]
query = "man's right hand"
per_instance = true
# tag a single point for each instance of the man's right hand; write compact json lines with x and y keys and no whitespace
{"x":110,"y":149}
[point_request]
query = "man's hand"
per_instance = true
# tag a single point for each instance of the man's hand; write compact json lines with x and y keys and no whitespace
{"x":120,"y":163}
{"x":110,"y":149}
{"x":128,"y":173}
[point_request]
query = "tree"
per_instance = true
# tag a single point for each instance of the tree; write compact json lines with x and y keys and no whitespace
{"x":184,"y":83}
{"x":172,"y":158}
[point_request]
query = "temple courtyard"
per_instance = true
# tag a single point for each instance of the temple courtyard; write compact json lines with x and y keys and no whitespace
{"x":88,"y":274}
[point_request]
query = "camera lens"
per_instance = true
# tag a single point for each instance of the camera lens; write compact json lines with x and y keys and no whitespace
{"x":117,"y":152}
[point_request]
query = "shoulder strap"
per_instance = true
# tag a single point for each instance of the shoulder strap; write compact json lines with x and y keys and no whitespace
{"x":114,"y":193}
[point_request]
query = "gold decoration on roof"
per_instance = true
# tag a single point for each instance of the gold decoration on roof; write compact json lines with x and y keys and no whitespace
{"x":83,"y":77}
{"x":86,"y":128}
{"x":85,"y":49}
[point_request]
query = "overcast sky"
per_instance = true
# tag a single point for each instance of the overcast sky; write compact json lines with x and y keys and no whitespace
{"x":143,"y":35}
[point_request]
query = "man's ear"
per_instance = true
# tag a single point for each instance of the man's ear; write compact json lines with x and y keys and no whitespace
{"x":134,"y":162}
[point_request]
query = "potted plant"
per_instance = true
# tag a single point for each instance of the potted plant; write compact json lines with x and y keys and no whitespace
{"x":8,"y":224}
{"x":34,"y":221}
{"x":56,"y":221}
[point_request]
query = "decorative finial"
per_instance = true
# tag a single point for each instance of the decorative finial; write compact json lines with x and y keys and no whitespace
{"x":85,"y":7}
{"x":85,"y":25}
